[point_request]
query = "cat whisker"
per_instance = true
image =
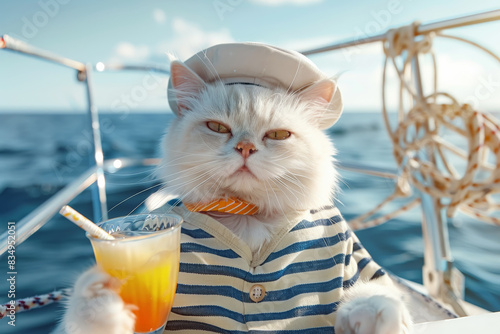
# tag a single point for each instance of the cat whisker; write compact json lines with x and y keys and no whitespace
{"x":294,"y":180}
{"x":206,"y":144}
{"x":197,"y":176}
{"x":202,"y":162}
{"x":108,"y":181}
{"x":280,"y":157}
{"x":157,"y":185}
{"x":345,"y":184}
{"x":182,"y":196}
{"x":294,"y":76}
{"x":218,"y":184}
{"x":209,"y":190}
{"x":142,"y":202}
{"x":146,"y":179}
{"x":190,"y":169}
{"x":209,"y":66}
{"x":130,"y":197}
{"x":193,"y":179}
{"x":285,"y":188}
{"x":288,"y":176}
{"x":291,"y":175}
{"x":185,"y":156}
{"x":296,"y":175}
{"x":174,"y":188}
{"x":121,"y":174}
{"x":277,"y":201}
{"x":268,"y":194}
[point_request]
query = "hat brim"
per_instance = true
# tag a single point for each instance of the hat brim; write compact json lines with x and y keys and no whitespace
{"x":259,"y":64}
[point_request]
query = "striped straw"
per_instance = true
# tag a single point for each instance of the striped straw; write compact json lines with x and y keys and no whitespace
{"x":85,"y":223}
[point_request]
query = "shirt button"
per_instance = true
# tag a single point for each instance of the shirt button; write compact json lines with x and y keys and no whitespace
{"x":257,"y":293}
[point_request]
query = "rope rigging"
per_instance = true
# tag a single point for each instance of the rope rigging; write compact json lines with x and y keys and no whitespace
{"x":419,"y":149}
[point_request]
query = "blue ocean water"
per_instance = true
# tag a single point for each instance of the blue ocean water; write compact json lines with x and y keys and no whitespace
{"x":39,"y":154}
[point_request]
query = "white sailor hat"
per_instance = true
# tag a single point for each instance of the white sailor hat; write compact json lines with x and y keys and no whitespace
{"x":258,"y":64}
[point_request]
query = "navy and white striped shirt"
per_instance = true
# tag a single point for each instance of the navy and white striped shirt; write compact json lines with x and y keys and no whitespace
{"x":294,"y":285}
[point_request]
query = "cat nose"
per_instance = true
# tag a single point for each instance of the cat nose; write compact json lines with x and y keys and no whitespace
{"x":245,"y":148}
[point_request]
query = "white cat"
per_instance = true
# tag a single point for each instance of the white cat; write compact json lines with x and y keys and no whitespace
{"x":263,"y":144}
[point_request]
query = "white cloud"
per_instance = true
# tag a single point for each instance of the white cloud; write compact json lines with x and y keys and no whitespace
{"x":361,"y":89}
{"x":159,"y":16}
{"x":189,"y":38}
{"x":470,"y":80}
{"x":285,"y":2}
{"x":307,"y":43}
{"x":454,"y":71}
{"x":467,"y":80}
{"x":128,"y":51}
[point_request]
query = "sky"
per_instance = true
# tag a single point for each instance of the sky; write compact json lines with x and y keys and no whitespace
{"x":142,"y":32}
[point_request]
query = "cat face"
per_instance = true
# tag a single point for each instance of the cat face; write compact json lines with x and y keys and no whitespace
{"x":262,"y":145}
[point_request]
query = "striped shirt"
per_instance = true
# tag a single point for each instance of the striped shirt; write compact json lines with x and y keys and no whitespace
{"x":294,"y":285}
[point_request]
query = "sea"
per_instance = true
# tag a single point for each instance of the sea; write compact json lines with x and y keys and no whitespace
{"x":41,"y":153}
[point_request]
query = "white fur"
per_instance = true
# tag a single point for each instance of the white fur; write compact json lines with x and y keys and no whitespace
{"x":198,"y":164}
{"x":96,"y":308}
{"x":372,"y":308}
{"x":292,"y":174}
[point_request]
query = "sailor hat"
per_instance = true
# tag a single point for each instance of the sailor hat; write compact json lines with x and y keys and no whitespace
{"x":257,"y":64}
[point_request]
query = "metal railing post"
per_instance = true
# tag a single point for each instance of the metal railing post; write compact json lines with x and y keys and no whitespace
{"x":99,"y":201}
{"x":441,"y":279}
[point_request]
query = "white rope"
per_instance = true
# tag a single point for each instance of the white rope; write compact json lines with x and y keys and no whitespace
{"x":30,"y":303}
{"x":418,"y":133}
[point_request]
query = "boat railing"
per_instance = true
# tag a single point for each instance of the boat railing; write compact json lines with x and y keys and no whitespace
{"x":440,"y":277}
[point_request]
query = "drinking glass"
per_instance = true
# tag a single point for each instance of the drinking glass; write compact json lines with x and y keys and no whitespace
{"x":145,"y":257}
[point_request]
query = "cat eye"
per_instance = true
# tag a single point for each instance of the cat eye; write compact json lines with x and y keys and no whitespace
{"x":218,"y":127}
{"x":278,"y":134}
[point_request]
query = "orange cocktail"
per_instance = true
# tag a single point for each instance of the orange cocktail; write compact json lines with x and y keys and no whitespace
{"x":145,"y":261}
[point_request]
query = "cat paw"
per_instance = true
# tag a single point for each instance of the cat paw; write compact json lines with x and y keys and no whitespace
{"x":95,"y":306}
{"x":377,"y":314}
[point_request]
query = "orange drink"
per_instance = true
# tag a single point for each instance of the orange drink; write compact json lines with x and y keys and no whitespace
{"x":145,"y":261}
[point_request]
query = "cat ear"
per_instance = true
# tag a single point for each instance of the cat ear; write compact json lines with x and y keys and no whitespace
{"x":326,"y":95}
{"x":185,"y":82}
